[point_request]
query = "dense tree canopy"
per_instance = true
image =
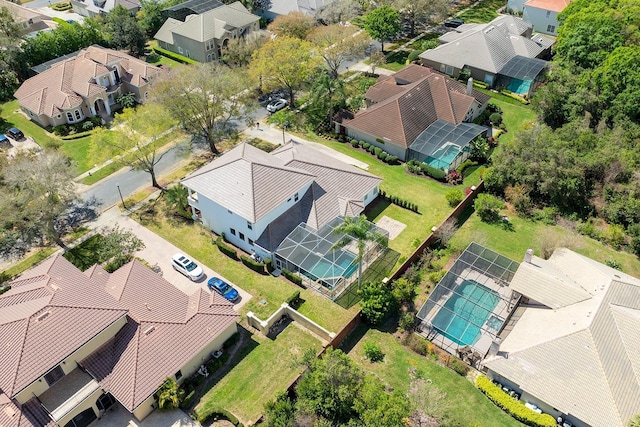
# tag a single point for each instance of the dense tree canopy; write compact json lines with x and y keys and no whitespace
{"x":382,"y":23}
{"x":124,"y":31}
{"x":293,"y":24}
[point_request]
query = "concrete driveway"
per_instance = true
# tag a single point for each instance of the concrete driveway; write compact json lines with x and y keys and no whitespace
{"x":117,"y":416}
{"x":158,"y":253}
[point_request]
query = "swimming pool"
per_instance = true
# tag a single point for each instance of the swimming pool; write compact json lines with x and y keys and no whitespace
{"x":443,"y":157}
{"x":462,"y":316}
{"x":325,"y":269}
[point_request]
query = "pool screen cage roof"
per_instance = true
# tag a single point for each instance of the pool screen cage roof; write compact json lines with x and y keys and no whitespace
{"x":523,"y":68}
{"x":311,"y":250}
{"x":473,"y":316}
{"x":434,"y":140}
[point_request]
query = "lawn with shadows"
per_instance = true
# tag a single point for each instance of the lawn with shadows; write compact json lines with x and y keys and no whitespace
{"x":467,"y":406}
{"x":265,"y":367}
{"x":483,"y":11}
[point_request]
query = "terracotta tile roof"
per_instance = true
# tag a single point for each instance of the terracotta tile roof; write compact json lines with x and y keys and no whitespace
{"x":45,"y":316}
{"x":166,"y":329}
{"x":31,"y":414}
{"x":552,"y":5}
{"x":409,"y":103}
{"x":64,"y":85}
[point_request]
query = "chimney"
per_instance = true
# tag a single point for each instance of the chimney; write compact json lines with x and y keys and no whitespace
{"x":528,"y":255}
{"x":469,"y":85}
{"x":494,"y":348}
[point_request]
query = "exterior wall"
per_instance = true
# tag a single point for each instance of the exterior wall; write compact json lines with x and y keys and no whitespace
{"x":516,"y":5}
{"x":543,"y":21}
{"x":476,"y":73}
{"x":370,"y":196}
{"x":190,"y":368}
{"x":79,"y":8}
{"x":390,"y":148}
{"x":89,"y":402}
{"x":220,"y":220}
{"x":68,"y":364}
{"x":190,"y":48}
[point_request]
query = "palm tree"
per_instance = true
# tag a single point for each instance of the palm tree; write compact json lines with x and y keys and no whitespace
{"x":363,"y":232}
{"x":177,"y":198}
{"x":169,"y":395}
{"x":328,"y":90}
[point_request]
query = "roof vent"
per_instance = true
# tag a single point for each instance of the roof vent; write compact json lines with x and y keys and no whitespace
{"x":43,"y":316}
{"x":147,"y":305}
{"x":149,"y":330}
{"x":528,"y":255}
{"x":9,"y":411}
{"x":54,"y":286}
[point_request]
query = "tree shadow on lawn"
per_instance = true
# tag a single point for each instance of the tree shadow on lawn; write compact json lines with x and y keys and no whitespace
{"x":376,"y":208}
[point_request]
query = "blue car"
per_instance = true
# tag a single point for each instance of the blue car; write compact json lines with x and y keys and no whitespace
{"x":4,"y":140}
{"x":223,"y":288}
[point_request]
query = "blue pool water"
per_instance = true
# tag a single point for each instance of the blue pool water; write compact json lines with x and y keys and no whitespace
{"x":442,"y":159}
{"x":519,"y":86}
{"x":462,"y":316}
{"x":323,"y":269}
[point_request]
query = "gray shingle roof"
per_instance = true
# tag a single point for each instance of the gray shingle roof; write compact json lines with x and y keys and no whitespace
{"x":582,"y":358}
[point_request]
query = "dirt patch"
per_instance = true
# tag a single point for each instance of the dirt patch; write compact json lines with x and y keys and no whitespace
{"x":391,"y":225}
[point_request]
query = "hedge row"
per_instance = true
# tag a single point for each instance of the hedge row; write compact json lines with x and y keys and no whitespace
{"x":465,"y":165}
{"x":217,"y":413}
{"x":399,"y":202}
{"x":417,"y":168}
{"x":174,"y":56}
{"x":293,"y":299}
{"x":372,"y":149}
{"x":62,"y":6}
{"x":256,"y":266}
{"x":226,"y":249}
{"x":292,"y":276}
{"x":513,"y":407}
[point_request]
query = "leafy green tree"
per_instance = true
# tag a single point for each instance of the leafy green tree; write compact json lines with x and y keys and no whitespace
{"x":382,"y":23}
{"x":285,"y":62}
{"x":327,"y":92}
{"x":330,"y":387}
{"x":280,"y":412}
{"x":377,"y":408}
{"x":403,"y":290}
{"x":204,"y":99}
{"x":422,"y":11}
{"x":618,"y":81}
{"x":135,"y":139}
{"x":10,"y":42}
{"x":337,"y":43}
{"x":169,"y":395}
{"x":377,"y":302}
{"x":488,"y":207}
{"x":177,"y":198}
{"x":118,"y":246}
{"x":124,"y":31}
{"x":238,"y":52}
{"x":480,"y":148}
{"x":150,"y":15}
{"x":361,"y":231}
{"x":293,"y":24}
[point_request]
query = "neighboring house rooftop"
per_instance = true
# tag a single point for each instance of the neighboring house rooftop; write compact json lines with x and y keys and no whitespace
{"x":104,"y":6}
{"x":486,"y":47}
{"x":284,"y":7}
{"x":190,"y":7}
{"x":167,"y":328}
{"x":65,"y":83}
{"x":411,"y":100}
{"x":578,"y":352}
{"x":20,"y":13}
{"x":212,"y":24}
{"x":46,"y":315}
{"x":552,"y":5}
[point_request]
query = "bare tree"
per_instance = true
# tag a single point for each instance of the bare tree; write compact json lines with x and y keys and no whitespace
{"x":445,"y":232}
{"x":337,"y":44}
{"x":205,"y":98}
{"x":422,"y":11}
{"x":428,"y":403}
{"x":339,"y":11}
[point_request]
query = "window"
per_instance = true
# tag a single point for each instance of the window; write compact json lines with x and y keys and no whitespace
{"x":366,"y":196}
{"x":146,"y":95}
{"x":178,"y":375}
{"x":54,"y":375}
{"x":449,"y":70}
{"x":78,"y":116}
{"x":180,"y":50}
{"x":551,"y":28}
{"x":229,"y":211}
{"x":69,"y":117}
{"x":187,"y":53}
{"x":233,"y":231}
{"x":249,"y":225}
{"x":295,"y":198}
{"x":105,"y":401}
{"x":251,"y":242}
{"x":443,"y":68}
{"x":548,"y":13}
{"x":241,"y":236}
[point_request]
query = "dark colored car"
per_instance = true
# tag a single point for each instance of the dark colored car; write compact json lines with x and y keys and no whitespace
{"x":453,"y":23}
{"x":223,"y":288}
{"x":15,"y":133}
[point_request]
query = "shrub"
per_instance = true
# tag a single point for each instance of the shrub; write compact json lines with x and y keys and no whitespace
{"x":407,"y":321}
{"x":392,"y":160}
{"x":430,"y":44}
{"x":186,"y":401}
{"x":615,"y":235}
{"x":434,"y":173}
{"x":454,"y":178}
{"x":546,"y":215}
{"x":512,"y":406}
{"x":488,"y":207}
{"x":354,"y":143}
{"x":495,"y":118}
{"x":465,"y":165}
{"x":518,"y":196}
{"x":635,"y":246}
{"x":373,"y":352}
{"x":366,"y":145}
{"x":613,"y":264}
{"x":292,"y":276}
{"x":269,"y":265}
{"x":217,"y":413}
{"x":61,"y":130}
{"x":382,"y":155}
{"x":174,"y":56}
{"x":88,"y":125}
{"x":454,"y":197}
{"x":414,"y":166}
{"x":459,"y":367}
{"x":413,"y":55}
{"x":436,"y":276}
{"x":377,"y":151}
{"x":226,"y":249}
{"x":256,"y":266}
{"x":361,"y":143}
{"x":294,"y":299}
{"x":61,"y":7}
{"x":418,"y":344}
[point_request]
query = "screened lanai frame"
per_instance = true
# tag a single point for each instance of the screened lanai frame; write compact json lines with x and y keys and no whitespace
{"x":472,"y":303}
{"x":309,"y":253}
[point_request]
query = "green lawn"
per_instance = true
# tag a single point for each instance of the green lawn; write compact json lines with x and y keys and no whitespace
{"x":396,"y":61}
{"x":195,"y":240}
{"x":266,"y":367}
{"x":157,"y":59}
{"x":524,"y":234}
{"x":483,"y":11}
{"x":466,"y":405}
{"x":15,"y":118}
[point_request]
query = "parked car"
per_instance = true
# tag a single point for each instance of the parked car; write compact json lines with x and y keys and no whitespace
{"x":276,"y":105}
{"x":453,"y":23}
{"x":186,"y":266}
{"x":4,"y":140}
{"x":223,"y":288}
{"x":15,"y":133}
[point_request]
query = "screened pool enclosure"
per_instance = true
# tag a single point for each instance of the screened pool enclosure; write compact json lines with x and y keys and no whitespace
{"x":470,"y":305}
{"x":312,"y":254}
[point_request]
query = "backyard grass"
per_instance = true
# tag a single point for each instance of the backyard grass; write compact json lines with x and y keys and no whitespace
{"x":396,"y":61}
{"x":36,"y":258}
{"x":268,"y":292}
{"x":266,"y":367}
{"x":483,"y":11}
{"x":516,"y":117}
{"x":465,"y":404}
{"x":157,"y":59}
{"x":15,"y":118}
{"x":78,"y":150}
{"x":523,"y":233}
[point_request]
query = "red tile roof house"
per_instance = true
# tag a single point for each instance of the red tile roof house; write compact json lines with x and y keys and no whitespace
{"x":402,"y":106}
{"x":84,"y":86}
{"x":73,"y":343}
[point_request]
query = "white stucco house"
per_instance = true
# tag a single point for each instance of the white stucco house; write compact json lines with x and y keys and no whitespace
{"x":542,"y":14}
{"x":258,"y":199}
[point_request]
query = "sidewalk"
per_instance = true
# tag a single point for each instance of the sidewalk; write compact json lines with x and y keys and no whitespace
{"x":272,"y":134}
